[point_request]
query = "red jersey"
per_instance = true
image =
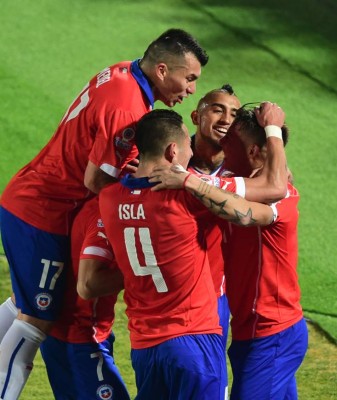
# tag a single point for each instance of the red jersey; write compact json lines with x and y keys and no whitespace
{"x":262,"y":282}
{"x":160,"y":249}
{"x":98,"y":126}
{"x":217,"y":230}
{"x":86,"y":321}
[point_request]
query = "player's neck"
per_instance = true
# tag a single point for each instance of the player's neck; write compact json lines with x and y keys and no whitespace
{"x":146,"y":167}
{"x":206,"y":157}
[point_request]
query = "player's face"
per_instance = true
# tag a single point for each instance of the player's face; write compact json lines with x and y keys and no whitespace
{"x":236,"y":150}
{"x":216,"y":116}
{"x":185,"y":151}
{"x":179,"y":80}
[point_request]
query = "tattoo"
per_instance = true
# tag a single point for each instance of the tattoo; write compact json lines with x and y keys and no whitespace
{"x":244,"y":219}
{"x":218,"y":208}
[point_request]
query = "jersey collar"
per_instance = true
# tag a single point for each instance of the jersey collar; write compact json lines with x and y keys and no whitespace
{"x":136,"y":183}
{"x":142,"y":80}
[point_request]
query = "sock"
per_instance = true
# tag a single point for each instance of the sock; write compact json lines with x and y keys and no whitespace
{"x":8,"y":313}
{"x":17,"y":352}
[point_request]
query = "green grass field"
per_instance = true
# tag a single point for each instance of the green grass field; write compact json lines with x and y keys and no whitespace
{"x":284,"y":51}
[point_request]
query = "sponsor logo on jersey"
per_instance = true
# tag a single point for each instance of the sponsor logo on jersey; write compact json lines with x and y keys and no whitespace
{"x":100,"y":223}
{"x":105,"y":392}
{"x":43,"y":301}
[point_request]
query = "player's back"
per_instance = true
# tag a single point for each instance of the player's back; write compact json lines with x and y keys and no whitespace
{"x":159,"y":247}
{"x":95,"y":127}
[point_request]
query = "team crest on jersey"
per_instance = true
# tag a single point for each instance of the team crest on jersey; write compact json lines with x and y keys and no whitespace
{"x":43,"y":301}
{"x":128,"y":134}
{"x":105,"y":392}
{"x":124,"y":142}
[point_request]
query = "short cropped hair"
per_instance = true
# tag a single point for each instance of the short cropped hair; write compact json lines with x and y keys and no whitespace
{"x":156,"y":129}
{"x":174,"y":42}
{"x":246,"y":121}
{"x":226,"y":88}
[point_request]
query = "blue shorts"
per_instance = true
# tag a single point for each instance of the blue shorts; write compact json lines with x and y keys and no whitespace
{"x":187,"y":367}
{"x":264,"y":368}
{"x":83,"y":371}
{"x":36,"y":260}
{"x":224,"y":314}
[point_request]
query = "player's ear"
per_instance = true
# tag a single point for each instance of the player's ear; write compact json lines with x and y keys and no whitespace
{"x":171,"y":152}
{"x":161,"y":70}
{"x":195,"y":117}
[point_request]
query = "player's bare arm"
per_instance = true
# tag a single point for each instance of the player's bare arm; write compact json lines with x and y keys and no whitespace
{"x":95,"y":179}
{"x":224,"y":204}
{"x":227,"y":205}
{"x":270,"y":184}
{"x":96,"y":279}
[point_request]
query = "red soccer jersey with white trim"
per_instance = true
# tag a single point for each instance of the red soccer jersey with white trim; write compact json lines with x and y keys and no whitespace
{"x":98,"y":126}
{"x":161,"y":252}
{"x":86,"y":321}
{"x":217,"y":231}
{"x":262,"y":282}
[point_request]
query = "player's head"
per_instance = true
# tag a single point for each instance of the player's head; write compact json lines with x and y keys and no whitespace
{"x":214,"y":114}
{"x":245,"y":143}
{"x":173,"y":63}
{"x":162,"y":135}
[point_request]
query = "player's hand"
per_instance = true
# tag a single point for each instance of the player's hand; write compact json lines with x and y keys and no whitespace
{"x":269,"y":114}
{"x":131,"y":167}
{"x":168,"y":177}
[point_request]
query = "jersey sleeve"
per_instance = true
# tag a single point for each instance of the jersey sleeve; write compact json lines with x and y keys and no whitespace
{"x":95,"y":244}
{"x":114,"y":145}
{"x":286,"y":208}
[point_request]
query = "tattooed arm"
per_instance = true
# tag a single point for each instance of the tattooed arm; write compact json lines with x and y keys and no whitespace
{"x":228,"y":205}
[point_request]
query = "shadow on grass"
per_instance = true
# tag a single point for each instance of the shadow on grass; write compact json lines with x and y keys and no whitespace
{"x":314,"y":29}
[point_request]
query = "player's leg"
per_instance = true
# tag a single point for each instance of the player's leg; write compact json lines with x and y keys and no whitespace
{"x":36,"y":260}
{"x":290,"y":354}
{"x":264,"y":368}
{"x":291,"y":393}
{"x":194,"y":367}
{"x":111,"y":372}
{"x":187,"y":367}
{"x":57,"y":357}
{"x":149,"y":375}
{"x":8,"y":313}
{"x":95,"y":373}
{"x":252,"y":363}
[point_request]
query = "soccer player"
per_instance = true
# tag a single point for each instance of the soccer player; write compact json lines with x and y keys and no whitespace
{"x":269,"y":334}
{"x":78,"y":351}
{"x":92,"y":143}
{"x":213,"y":116}
{"x":177,"y":348}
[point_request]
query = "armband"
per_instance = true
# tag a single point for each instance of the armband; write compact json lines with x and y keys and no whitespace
{"x":273,"y":130}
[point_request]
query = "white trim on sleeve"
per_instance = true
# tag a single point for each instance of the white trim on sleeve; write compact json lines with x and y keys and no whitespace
{"x":240,"y":186}
{"x":110,"y":170}
{"x":275,"y":212}
{"x":98,"y":251}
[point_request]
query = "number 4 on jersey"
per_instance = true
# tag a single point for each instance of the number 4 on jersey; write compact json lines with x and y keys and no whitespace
{"x":151,"y":267}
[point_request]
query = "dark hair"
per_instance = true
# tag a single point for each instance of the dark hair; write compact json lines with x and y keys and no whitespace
{"x":175,"y":42}
{"x":247,"y":123}
{"x":156,"y":129}
{"x":226,"y":88}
